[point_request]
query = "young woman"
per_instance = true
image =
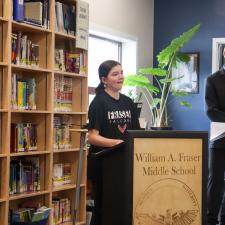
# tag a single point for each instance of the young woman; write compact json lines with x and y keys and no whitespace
{"x":110,"y":115}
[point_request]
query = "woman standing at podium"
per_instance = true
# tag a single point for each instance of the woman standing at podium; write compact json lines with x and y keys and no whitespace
{"x":110,"y":115}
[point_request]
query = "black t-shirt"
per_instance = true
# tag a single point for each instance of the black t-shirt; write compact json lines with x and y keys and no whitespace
{"x":112,"y":117}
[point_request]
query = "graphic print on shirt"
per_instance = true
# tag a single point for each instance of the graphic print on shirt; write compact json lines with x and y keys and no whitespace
{"x":120,"y":118}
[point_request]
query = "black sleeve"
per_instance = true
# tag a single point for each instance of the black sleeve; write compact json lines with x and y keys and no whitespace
{"x":212,"y":104}
{"x":95,"y":115}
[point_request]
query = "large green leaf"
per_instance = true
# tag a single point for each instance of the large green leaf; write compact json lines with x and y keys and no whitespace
{"x":186,"y":104}
{"x":165,"y":56}
{"x":182,"y":57}
{"x":140,"y":81}
{"x":153,"y":71}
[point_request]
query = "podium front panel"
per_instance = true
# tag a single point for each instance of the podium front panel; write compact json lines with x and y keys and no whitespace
{"x":168,"y":177}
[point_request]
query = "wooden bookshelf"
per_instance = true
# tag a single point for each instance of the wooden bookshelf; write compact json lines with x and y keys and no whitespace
{"x":42,"y":116}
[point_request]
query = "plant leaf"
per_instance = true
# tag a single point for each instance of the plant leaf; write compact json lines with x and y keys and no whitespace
{"x":179,"y":93}
{"x":186,"y":104}
{"x":140,"y":81}
{"x":153,"y":71}
{"x":182,"y":57}
{"x":165,"y":56}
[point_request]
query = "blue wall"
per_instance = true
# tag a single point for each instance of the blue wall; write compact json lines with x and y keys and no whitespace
{"x":172,"y":18}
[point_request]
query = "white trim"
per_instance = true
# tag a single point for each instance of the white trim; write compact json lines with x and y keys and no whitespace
{"x":215,"y":60}
{"x":110,"y":33}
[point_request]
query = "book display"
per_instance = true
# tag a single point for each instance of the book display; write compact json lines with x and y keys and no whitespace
{"x":43,"y":108}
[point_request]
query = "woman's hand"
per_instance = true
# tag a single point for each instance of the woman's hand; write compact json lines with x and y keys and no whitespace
{"x":95,"y":139}
{"x":118,"y":141}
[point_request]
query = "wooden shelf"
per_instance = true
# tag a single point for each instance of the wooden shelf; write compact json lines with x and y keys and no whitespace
{"x":59,"y":72}
{"x":71,"y":113}
{"x":71,"y":223}
{"x":3,"y":64}
{"x":78,"y":130}
{"x":66,"y":150}
{"x":29,"y":28}
{"x":80,"y":223}
{"x":43,"y":118}
{"x":64,"y":187}
{"x":3,"y":110}
{"x":63,"y":36}
{"x":18,"y":154}
{"x":30,"y":68}
{"x":31,"y":111}
{"x":27,"y":195}
{"x":2,"y":19}
{"x":2,"y":199}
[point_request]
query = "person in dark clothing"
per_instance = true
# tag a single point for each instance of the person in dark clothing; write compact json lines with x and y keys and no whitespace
{"x":110,"y":115}
{"x":215,"y":108}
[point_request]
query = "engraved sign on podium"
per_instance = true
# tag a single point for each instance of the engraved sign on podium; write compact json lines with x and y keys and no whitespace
{"x":169,"y":178}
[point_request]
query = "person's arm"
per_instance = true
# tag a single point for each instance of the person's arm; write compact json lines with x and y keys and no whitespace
{"x":94,"y":138}
{"x":211,"y":99}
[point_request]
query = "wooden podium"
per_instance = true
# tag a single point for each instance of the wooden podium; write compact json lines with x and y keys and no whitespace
{"x":158,"y":178}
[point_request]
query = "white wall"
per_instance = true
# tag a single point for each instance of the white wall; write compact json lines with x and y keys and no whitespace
{"x":132,"y":18}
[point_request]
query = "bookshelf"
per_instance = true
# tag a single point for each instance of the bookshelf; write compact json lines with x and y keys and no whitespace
{"x":15,"y":117}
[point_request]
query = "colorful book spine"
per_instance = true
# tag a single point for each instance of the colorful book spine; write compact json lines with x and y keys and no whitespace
{"x":23,"y":137}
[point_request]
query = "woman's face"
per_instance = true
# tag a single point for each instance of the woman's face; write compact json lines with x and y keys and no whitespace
{"x":114,"y":80}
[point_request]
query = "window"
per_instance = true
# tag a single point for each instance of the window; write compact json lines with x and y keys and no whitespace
{"x":104,"y":46}
{"x":100,"y":49}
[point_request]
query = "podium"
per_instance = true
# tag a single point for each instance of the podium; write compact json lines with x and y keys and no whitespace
{"x":158,"y":177}
{"x":113,"y":193}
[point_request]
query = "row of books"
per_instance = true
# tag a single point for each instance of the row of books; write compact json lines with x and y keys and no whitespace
{"x":65,"y":18}
{"x":61,"y":208}
{"x":63,"y":91}
{"x":23,"y":94}
{"x":29,"y":214}
{"x":24,"y":175}
{"x":73,"y":62}
{"x":62,"y":173}
{"x":24,"y":51}
{"x":35,"y":12}
{"x":23,"y":137}
{"x":61,"y":132}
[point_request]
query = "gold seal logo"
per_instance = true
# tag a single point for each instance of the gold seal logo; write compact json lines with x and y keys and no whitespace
{"x":167,"y":202}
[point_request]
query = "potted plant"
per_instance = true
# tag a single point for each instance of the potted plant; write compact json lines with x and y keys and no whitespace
{"x":158,"y":89}
{"x":136,"y":97}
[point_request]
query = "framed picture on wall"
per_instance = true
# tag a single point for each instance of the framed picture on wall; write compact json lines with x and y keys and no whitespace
{"x":190,"y":75}
{"x":218,"y":53}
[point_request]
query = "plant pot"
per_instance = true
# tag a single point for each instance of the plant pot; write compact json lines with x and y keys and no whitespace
{"x":160,"y":128}
{"x":138,"y":106}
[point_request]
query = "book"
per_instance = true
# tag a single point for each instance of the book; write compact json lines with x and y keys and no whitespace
{"x":18,"y":10}
{"x":217,"y":131}
{"x":61,"y":210}
{"x":33,"y":12}
{"x":24,"y":175}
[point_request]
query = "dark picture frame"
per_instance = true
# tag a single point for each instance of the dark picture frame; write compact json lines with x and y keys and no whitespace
{"x":190,"y":72}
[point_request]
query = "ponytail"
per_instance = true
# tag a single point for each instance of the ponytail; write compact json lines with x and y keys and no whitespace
{"x":99,"y":88}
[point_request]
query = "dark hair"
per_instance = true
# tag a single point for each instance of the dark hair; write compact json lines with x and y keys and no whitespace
{"x":103,"y":71}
